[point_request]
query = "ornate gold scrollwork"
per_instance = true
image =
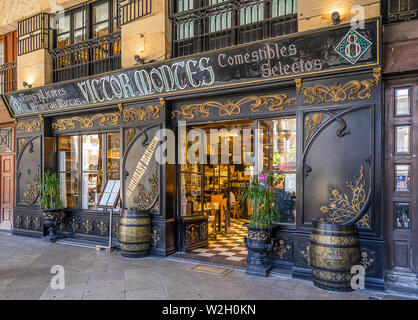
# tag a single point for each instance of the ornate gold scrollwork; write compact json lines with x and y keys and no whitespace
{"x":88,"y":226}
{"x":143,"y":113}
{"x":366,"y":260}
{"x":115,"y":229}
{"x":257,"y":235}
{"x":28,"y":126}
{"x":129,"y":134}
{"x":312,"y":124}
{"x":352,"y":90}
{"x":21,"y":143}
{"x":155,"y":237}
{"x":307,"y":254}
{"x":280,"y":248}
{"x":106,"y":119}
{"x":298,"y":83}
{"x":18,"y":221}
{"x":341,"y":208}
{"x":32,"y":191}
{"x":273,"y":102}
{"x":26,"y":222}
{"x":150,"y":112}
{"x":37,"y":223}
{"x":102,"y":227}
{"x":146,"y":198}
{"x":377,"y":73}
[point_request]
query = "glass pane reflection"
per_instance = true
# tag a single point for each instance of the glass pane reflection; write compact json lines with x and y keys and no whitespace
{"x":279,"y":157}
{"x":402,"y":178}
{"x":402,"y":139}
{"x":402,"y":215}
{"x":92,"y":152}
{"x":402,"y":102}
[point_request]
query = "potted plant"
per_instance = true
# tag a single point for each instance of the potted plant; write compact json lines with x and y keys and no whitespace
{"x":260,"y":227}
{"x":51,"y":204}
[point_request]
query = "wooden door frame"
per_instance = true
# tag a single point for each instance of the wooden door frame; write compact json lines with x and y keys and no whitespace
{"x":398,"y":237}
{"x":13,"y":153}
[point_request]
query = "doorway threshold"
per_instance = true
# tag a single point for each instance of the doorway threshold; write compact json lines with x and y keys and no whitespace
{"x":191,"y":258}
{"x":81,"y":243}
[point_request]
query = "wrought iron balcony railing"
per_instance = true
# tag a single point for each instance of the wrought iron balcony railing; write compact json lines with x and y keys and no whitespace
{"x":86,"y":58}
{"x":227,"y":23}
{"x":130,"y":10}
{"x":395,"y":11}
{"x":8,"y":77}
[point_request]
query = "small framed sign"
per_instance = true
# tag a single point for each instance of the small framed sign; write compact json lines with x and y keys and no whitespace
{"x":110,"y":195}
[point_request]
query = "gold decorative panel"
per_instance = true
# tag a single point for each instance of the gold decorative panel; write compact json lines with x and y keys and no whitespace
{"x":32,"y":191}
{"x":352,"y":90}
{"x":280,"y":247}
{"x":28,"y":126}
{"x":21,"y":143}
{"x":306,"y":253}
{"x":342,"y":208}
{"x":146,"y":198}
{"x":143,"y":113}
{"x":129,"y":134}
{"x":272,"y":102}
{"x":105,"y":119}
{"x":311,"y":124}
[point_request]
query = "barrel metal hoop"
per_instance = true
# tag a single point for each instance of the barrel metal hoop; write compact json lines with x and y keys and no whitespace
{"x":340,"y":246}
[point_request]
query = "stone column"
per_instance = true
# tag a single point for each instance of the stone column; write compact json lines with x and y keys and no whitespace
{"x":149,"y":36}
{"x":35,"y":68}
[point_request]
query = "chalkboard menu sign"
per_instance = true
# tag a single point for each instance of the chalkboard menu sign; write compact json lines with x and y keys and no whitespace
{"x":331,"y":49}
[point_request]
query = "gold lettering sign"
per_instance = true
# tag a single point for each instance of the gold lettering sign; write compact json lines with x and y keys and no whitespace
{"x":142,"y":166}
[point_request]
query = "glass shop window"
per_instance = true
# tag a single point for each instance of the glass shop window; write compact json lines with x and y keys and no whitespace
{"x":402,"y":139}
{"x":86,"y":162}
{"x":279,"y":158}
{"x":402,"y":211}
{"x":402,"y":102}
{"x":402,"y":177}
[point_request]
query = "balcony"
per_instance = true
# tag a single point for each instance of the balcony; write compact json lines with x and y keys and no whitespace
{"x":230,"y":23}
{"x":395,"y":11}
{"x":87,"y":58}
{"x":8,"y":77}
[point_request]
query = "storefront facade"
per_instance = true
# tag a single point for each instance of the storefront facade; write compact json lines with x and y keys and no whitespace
{"x":400,"y":100}
{"x":317,"y":101}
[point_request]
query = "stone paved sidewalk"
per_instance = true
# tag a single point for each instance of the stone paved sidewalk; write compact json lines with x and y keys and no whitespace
{"x":25,"y":265}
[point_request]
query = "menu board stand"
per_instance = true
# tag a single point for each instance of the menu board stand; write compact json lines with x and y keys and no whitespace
{"x":108,"y":200}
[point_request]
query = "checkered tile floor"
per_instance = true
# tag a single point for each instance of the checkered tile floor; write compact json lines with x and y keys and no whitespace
{"x":227,"y":249}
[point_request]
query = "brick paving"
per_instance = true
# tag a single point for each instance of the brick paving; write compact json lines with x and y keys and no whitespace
{"x":25,"y":273}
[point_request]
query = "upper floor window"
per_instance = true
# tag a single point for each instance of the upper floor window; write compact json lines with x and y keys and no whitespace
{"x":87,"y":41}
{"x":73,"y":27}
{"x":212,"y":24}
{"x":394,"y":11}
{"x":8,"y":48}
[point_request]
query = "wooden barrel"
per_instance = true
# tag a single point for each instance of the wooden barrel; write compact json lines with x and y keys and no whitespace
{"x":334,"y":250}
{"x":135,"y":233}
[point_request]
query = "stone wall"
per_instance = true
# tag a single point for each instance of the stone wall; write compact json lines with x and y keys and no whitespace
{"x":317,"y":14}
{"x":149,"y":37}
